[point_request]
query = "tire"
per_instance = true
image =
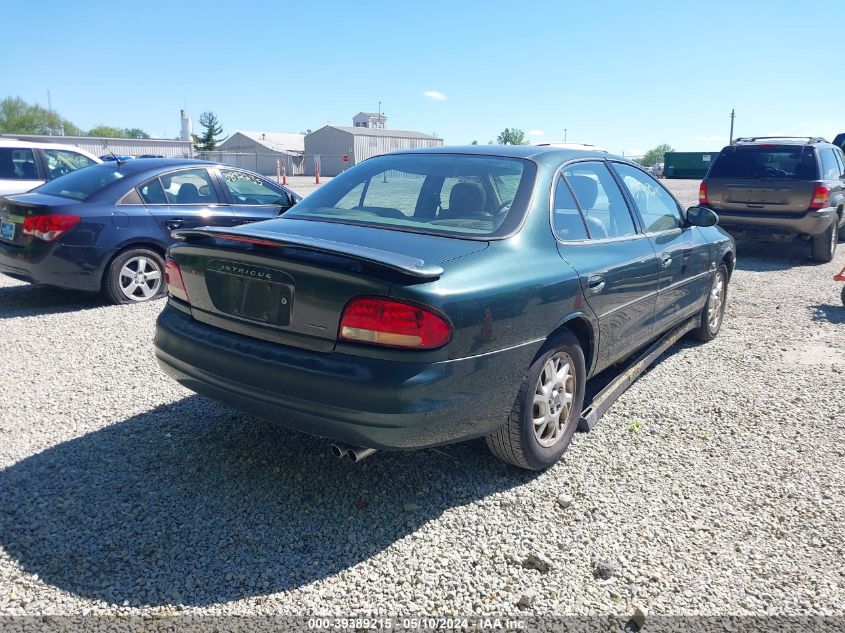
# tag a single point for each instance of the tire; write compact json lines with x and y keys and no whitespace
{"x":714,"y":310}
{"x":843,"y":295}
{"x":824,"y":245}
{"x":146,"y":267}
{"x":517,"y":442}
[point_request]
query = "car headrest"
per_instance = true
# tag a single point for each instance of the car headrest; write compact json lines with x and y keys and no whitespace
{"x":188,"y":193}
{"x":466,"y":198}
{"x":586,"y":190}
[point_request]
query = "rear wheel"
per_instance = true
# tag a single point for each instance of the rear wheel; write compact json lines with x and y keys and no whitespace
{"x":843,"y":295}
{"x":714,"y":310}
{"x":547,"y":408}
{"x":824,"y":245}
{"x":135,"y":275}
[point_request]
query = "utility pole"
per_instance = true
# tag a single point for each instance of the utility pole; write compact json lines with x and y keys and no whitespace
{"x":564,"y":135}
{"x":731,"y":139}
{"x":50,"y":109}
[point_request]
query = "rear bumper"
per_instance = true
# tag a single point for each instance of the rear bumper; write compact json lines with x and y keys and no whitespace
{"x":775,"y":226}
{"x":355,"y":399}
{"x":55,"y":264}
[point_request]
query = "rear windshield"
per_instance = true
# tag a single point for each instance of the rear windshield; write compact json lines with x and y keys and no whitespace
{"x":452,"y":194}
{"x":83,"y":183}
{"x":765,"y":161}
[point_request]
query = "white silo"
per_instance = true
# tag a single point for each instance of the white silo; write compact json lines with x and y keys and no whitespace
{"x":187,"y":127}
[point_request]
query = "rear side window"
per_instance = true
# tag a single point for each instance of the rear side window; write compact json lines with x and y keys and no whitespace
{"x":604,"y":207}
{"x":17,"y":164}
{"x":152,"y":192}
{"x":566,"y":218}
{"x":83,"y":183}
{"x":792,"y":162}
{"x":190,"y":186}
{"x":830,"y":167}
{"x":61,"y":162}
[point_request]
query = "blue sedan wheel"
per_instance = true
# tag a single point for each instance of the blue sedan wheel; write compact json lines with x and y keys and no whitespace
{"x":547,"y":408}
{"x":135,"y":275}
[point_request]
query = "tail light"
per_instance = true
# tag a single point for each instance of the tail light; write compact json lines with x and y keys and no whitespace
{"x":174,"y":281}
{"x":393,"y":324}
{"x":821,"y":197}
{"x":48,"y":227}
{"x":702,"y":193}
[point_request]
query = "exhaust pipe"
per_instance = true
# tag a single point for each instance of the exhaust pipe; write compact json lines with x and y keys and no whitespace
{"x":355,"y":453}
{"x":339,"y":450}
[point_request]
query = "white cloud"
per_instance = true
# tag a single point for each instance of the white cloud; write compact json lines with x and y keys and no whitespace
{"x":435,"y":95}
{"x":535,"y":132}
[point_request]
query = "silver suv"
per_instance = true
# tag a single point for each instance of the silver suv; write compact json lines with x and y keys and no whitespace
{"x":777,"y":189}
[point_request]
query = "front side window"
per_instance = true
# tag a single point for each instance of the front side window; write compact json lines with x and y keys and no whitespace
{"x":451,"y":194}
{"x":657,"y":207}
{"x":248,"y":188}
{"x":82,"y":183}
{"x":190,"y":186}
{"x":602,"y":203}
{"x":61,"y":162}
{"x":17,"y":164}
{"x":566,"y":218}
{"x":759,"y":162}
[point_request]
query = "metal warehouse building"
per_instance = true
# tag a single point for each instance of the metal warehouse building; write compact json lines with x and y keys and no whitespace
{"x":332,"y":142}
{"x":259,"y":152}
{"x":121,"y":146}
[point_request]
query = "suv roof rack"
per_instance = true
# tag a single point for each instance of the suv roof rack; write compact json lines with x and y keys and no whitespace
{"x":751,"y":139}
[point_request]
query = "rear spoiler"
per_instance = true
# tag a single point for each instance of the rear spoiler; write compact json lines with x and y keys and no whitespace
{"x":405,"y":264}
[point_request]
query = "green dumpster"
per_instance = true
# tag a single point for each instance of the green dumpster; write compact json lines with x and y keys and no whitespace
{"x":687,"y":164}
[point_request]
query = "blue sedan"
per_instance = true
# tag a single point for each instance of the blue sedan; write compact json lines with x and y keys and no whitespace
{"x":106,"y":228}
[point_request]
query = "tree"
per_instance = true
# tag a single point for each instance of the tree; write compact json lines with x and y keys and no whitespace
{"x":655,"y":155}
{"x":135,"y":132}
{"x":308,"y":131}
{"x":474,"y":143}
{"x":511,"y":136}
{"x":107,"y":131}
{"x":207,"y":141}
{"x":19,"y":117}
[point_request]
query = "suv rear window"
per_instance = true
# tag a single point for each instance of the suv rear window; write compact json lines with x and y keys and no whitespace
{"x":446,"y":194}
{"x":793,"y":162}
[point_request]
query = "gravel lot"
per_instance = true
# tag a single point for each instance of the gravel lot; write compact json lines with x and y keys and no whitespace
{"x":714,"y":485}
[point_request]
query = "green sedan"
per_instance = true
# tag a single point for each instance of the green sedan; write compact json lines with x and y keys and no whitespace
{"x":432,"y":296}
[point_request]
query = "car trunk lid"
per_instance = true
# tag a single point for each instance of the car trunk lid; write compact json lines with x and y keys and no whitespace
{"x":15,"y":209}
{"x":288,"y":280}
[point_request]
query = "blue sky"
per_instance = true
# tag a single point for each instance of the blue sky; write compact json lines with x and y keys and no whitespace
{"x":626,"y":75}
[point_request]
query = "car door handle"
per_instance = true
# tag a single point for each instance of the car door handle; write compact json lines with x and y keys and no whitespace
{"x":665,"y":260}
{"x":174,"y":223}
{"x":595,"y":283}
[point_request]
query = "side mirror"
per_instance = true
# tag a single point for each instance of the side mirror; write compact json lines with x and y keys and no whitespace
{"x":702,"y":216}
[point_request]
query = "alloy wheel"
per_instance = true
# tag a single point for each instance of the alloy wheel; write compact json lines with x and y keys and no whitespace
{"x":140,"y":278}
{"x":553,"y":396}
{"x":716,"y":304}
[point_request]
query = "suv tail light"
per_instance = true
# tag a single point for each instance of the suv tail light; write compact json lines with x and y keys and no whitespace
{"x":702,"y":193}
{"x":393,"y":324}
{"x":48,"y":227}
{"x":821,"y":196}
{"x":174,"y":281}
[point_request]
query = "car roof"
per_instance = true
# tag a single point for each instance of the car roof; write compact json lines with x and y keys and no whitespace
{"x":778,"y":140}
{"x":136,"y":166}
{"x":13,"y":142}
{"x":513,"y":151}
